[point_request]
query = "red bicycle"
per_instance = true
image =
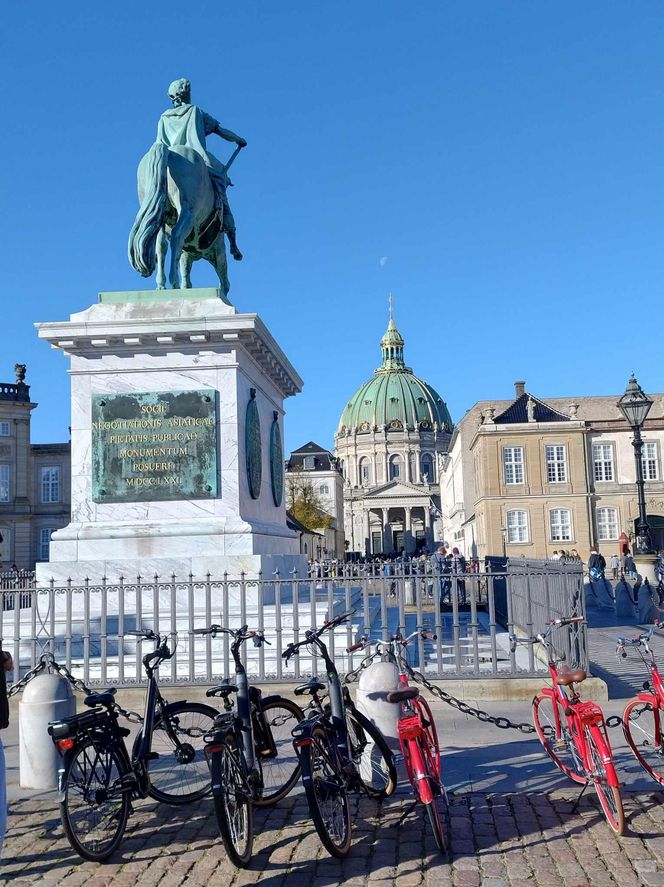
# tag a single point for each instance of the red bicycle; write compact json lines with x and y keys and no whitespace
{"x":642,"y":718}
{"x":417,"y":734}
{"x":573,"y":733}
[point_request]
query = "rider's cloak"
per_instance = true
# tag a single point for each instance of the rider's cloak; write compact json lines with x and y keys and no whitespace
{"x":188,"y":125}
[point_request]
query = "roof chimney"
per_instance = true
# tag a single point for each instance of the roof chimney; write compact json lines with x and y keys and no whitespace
{"x":519,"y":388}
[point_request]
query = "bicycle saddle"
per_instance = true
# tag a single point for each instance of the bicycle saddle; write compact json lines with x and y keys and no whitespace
{"x":567,"y":677}
{"x":402,"y":695}
{"x":311,"y":687}
{"x":105,"y":697}
{"x":224,"y":689}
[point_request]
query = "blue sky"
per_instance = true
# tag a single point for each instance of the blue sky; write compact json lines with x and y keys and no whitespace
{"x":505,"y":160}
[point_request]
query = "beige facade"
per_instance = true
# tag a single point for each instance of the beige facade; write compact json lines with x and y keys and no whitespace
{"x":34,"y":482}
{"x":315,"y":466}
{"x":532,"y":476}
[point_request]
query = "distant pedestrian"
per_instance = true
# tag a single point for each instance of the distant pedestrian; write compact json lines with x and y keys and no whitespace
{"x":630,"y":567}
{"x":596,"y":565}
{"x":615,"y":565}
{"x":459,"y":569}
{"x":555,"y":556}
{"x":7,"y":665}
{"x":574,"y":555}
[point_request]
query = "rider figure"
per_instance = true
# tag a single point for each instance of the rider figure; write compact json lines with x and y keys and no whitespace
{"x":188,"y":125}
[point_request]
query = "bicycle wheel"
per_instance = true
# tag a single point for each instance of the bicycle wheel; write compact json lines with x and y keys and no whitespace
{"x":372,"y":758}
{"x":232,"y":802}
{"x":642,"y":725}
{"x":558,"y":744}
{"x":603,"y":768}
{"x":278,"y":760}
{"x":436,"y":823}
{"x":93,"y":810}
{"x":325,"y":789}
{"x":179,"y":772}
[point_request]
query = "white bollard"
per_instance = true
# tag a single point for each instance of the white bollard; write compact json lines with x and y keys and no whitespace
{"x":48,"y":697}
{"x":375,"y":683}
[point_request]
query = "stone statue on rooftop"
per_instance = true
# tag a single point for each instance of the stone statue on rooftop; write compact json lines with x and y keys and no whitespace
{"x":182,"y":189}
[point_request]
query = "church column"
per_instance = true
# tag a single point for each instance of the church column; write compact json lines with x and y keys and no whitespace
{"x":408,"y":543}
{"x":387,"y":540}
{"x":428,"y":535}
{"x":367,"y":532}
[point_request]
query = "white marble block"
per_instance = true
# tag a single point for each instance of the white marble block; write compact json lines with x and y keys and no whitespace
{"x":177,"y":340}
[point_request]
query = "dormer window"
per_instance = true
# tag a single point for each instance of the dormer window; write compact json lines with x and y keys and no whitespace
{"x":309,"y":463}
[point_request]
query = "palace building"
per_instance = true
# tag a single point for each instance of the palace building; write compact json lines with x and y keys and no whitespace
{"x":390,"y":437}
{"x":530,"y":476}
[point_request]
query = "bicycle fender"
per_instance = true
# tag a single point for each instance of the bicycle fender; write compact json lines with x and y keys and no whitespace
{"x":650,"y":698}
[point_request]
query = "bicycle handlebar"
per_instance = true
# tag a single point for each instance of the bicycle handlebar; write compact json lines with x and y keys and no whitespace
{"x":312,"y":635}
{"x":240,"y":634}
{"x":638,"y":641}
{"x":541,"y":638}
{"x":365,"y":641}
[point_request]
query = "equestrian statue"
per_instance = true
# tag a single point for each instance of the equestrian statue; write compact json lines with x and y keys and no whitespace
{"x":182,"y":191}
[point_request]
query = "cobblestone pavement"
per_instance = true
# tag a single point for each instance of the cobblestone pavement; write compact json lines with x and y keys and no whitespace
{"x":498,"y":840}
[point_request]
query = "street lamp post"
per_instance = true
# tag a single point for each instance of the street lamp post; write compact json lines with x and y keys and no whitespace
{"x":635,"y":406}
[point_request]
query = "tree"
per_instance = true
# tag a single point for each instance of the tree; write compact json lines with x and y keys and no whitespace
{"x":304,"y":504}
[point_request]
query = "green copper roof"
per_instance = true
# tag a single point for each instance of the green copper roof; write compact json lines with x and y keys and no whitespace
{"x":394,"y":398}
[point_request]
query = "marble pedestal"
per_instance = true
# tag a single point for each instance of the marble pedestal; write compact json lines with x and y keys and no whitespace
{"x":174,"y":340}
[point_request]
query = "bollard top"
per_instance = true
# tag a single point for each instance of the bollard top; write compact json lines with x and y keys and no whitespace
{"x":47,"y":688}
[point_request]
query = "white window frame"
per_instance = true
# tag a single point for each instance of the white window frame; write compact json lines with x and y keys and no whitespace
{"x":513,"y":465}
{"x":324,"y":490}
{"x":5,"y":482}
{"x":427,"y":461}
{"x":516,"y":522}
{"x":650,"y":460}
{"x":365,"y":464}
{"x":5,"y":429}
{"x":395,"y":461}
{"x":45,"y":542}
{"x":560,"y":525}
{"x":607,"y":529}
{"x":309,"y":463}
{"x":556,"y":463}
{"x":604,"y":470}
{"x":49,"y":484}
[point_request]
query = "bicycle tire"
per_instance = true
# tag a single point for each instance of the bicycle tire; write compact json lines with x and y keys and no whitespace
{"x":609,"y":796}
{"x":325,"y":785}
{"x":437,"y":827}
{"x":91,"y":768}
{"x":179,"y":776}
{"x":561,"y":749}
{"x":280,"y":772}
{"x":429,"y":740}
{"x":642,"y":725}
{"x":232,"y":802}
{"x":372,"y":758}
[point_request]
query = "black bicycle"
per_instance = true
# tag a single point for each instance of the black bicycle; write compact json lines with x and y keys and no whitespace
{"x":250,"y":751}
{"x":340,"y":750}
{"x":98,"y":779}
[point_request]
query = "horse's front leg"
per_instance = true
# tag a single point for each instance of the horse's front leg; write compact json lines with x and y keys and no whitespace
{"x":162,"y":247}
{"x":186,"y":261}
{"x":218,"y":259}
{"x":179,"y":234}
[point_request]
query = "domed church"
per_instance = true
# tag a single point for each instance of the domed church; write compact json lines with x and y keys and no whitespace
{"x":390,"y":435}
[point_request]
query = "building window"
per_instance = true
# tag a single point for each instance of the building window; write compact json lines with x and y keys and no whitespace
{"x":427,"y":468}
{"x":4,"y":483}
{"x":324,"y":490}
{"x":607,"y":523}
{"x":365,"y":471}
{"x":309,"y":463}
{"x":556,"y":464}
{"x":395,"y":467}
{"x":513,"y":463}
{"x":650,"y":462}
{"x":50,"y":484}
{"x":4,"y":429}
{"x":45,"y":543}
{"x":603,"y":462}
{"x":517,"y":526}
{"x":561,"y":524}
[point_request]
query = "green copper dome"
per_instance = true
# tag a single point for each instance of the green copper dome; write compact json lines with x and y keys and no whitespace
{"x":394,"y":398}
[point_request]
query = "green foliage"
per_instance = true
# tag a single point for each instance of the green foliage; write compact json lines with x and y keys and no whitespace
{"x":304,"y":504}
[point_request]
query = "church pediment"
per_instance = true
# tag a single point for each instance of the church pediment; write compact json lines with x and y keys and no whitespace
{"x":397,"y":488}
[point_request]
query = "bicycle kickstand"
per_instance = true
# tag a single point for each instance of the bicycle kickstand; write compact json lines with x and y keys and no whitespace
{"x":578,"y":800}
{"x":406,"y":813}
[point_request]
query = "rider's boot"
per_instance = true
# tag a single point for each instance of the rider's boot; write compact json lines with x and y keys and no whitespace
{"x":235,"y":252}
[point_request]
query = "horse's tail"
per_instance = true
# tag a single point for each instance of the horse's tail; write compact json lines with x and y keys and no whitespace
{"x":150,"y":216}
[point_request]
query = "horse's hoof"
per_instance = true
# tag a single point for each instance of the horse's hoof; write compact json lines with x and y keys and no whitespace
{"x":237,"y":255}
{"x":160,"y":286}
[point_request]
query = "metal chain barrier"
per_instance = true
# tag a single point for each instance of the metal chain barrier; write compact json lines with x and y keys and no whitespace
{"x":48,"y":663}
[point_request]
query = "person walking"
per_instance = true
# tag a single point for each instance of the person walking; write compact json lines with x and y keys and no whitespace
{"x":615,"y":565}
{"x":596,"y":564}
{"x":7,"y":665}
{"x":630,"y":567}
